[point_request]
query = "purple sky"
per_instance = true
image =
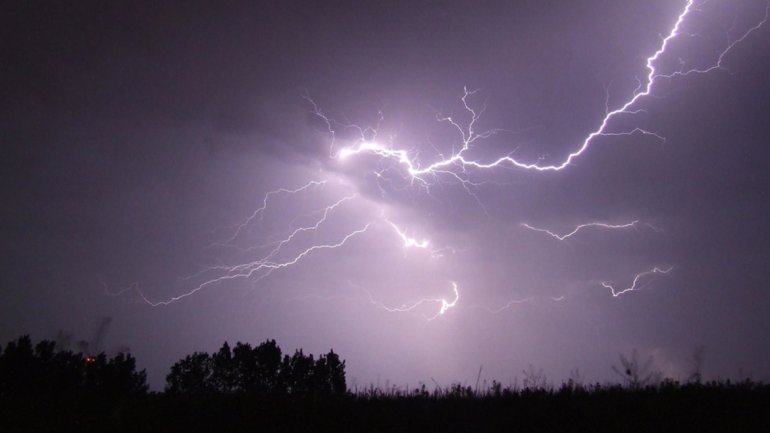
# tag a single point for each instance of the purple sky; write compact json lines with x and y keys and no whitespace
{"x":137,"y":137}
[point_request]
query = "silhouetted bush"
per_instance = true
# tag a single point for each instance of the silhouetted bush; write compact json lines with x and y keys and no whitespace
{"x":259,"y":370}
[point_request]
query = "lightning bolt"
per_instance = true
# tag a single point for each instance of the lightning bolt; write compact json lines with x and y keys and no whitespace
{"x":470,"y":136}
{"x":408,"y":242}
{"x":504,"y":307}
{"x":300,"y":230}
{"x":456,"y":165}
{"x":267,"y":264}
{"x":444,"y":304}
{"x":247,"y":270}
{"x":367,"y":140}
{"x":579,"y":228}
{"x":720,"y":60}
{"x":422,"y":244}
{"x":632,"y":287}
{"x":258,"y":213}
{"x":441,"y":252}
{"x":279,"y":243}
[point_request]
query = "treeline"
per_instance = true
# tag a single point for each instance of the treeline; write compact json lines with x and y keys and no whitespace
{"x":257,"y":370}
{"x":42,"y":371}
{"x":245,"y":388}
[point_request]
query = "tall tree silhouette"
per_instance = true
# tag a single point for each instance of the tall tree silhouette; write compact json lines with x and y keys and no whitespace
{"x":223,"y":374}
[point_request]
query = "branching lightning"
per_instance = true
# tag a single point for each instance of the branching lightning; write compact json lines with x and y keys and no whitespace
{"x":443,"y":303}
{"x":247,"y":270}
{"x":264,"y":266}
{"x":409,"y":242}
{"x":457,"y":166}
{"x":579,"y":228}
{"x":458,"y":160}
{"x":633,"y":286}
{"x":720,"y":60}
{"x":258,"y":213}
{"x":422,"y":244}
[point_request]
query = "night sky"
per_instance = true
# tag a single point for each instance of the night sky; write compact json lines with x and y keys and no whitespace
{"x":140,"y":142}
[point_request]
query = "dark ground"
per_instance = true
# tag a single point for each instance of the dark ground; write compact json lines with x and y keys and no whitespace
{"x":703,"y":408}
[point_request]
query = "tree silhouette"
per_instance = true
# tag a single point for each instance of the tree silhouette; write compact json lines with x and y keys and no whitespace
{"x":698,"y":356}
{"x":635,"y":374}
{"x":329,"y":374}
{"x":191,"y":375}
{"x":298,"y":372}
{"x":267,"y":357}
{"x":223,"y":375}
{"x":259,"y":370}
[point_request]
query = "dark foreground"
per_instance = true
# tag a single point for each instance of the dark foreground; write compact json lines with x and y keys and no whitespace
{"x":721,"y":407}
